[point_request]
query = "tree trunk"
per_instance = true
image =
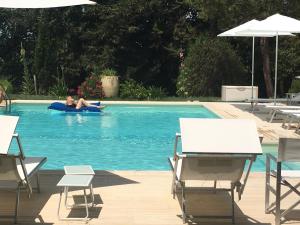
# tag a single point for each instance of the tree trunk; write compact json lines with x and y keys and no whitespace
{"x":264,"y":46}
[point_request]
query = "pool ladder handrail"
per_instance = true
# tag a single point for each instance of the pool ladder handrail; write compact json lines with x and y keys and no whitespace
{"x":6,"y":99}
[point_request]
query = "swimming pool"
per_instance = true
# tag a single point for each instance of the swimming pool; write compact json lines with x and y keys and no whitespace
{"x":124,"y":137}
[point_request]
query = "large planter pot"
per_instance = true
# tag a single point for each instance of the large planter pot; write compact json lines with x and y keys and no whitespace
{"x":110,"y":85}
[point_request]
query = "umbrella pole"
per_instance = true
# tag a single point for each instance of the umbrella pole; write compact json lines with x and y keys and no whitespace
{"x":276,"y":60}
{"x":252,"y":81}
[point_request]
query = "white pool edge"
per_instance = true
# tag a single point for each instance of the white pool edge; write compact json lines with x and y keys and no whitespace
{"x":117,"y":102}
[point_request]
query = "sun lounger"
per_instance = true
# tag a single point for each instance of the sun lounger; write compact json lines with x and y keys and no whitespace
{"x":209,"y":154}
{"x":16,"y":171}
{"x":289,"y":101}
{"x":288,"y":151}
{"x":275,"y":109}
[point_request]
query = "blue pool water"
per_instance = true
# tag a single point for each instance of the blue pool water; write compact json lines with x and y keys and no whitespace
{"x":124,"y":137}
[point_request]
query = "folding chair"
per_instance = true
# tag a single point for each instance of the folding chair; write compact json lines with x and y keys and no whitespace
{"x":16,"y":171}
{"x":288,"y":151}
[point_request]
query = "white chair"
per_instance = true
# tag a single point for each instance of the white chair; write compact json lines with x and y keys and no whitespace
{"x":288,"y":151}
{"x":16,"y":171}
{"x":207,"y":168}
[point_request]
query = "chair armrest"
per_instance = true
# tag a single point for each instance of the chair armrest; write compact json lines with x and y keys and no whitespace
{"x":271,"y":157}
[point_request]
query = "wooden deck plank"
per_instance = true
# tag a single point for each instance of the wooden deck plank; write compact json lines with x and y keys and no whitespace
{"x":140,"y":198}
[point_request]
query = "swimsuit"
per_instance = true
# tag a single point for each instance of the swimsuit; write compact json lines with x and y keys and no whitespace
{"x":72,"y":106}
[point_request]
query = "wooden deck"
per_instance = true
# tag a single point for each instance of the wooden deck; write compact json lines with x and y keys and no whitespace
{"x":144,"y":198}
{"x":270,"y":131}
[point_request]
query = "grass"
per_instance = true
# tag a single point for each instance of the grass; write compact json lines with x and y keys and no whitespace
{"x":170,"y":98}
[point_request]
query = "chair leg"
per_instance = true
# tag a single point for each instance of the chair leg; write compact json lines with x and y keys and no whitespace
{"x":38,"y":183}
{"x":232,"y":205}
{"x":278,"y":193}
{"x":183,"y":201}
{"x":267,"y":188}
{"x":17,"y":204}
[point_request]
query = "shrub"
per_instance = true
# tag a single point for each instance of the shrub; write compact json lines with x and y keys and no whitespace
{"x":133,"y":90}
{"x":156,"y":92}
{"x":8,"y":88}
{"x":295,"y":86}
{"x":91,"y":87}
{"x":210,"y":63}
{"x":108,"y":72}
{"x":60,"y":89}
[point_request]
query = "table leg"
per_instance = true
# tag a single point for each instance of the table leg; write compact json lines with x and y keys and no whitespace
{"x":58,"y":209}
{"x":86,"y":205}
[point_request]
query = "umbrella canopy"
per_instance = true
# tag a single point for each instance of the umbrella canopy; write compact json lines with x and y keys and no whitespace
{"x":243,"y":30}
{"x":35,"y":4}
{"x":276,"y":23}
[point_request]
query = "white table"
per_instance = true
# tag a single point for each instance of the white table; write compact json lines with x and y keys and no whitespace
{"x":219,"y":136}
{"x":80,"y":170}
{"x":79,"y":181}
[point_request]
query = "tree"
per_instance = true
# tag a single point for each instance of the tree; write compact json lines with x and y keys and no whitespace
{"x":210,"y":63}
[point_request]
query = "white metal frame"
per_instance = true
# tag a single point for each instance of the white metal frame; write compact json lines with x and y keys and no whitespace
{"x":23,"y":183}
{"x":275,"y":207}
{"x":239,"y":186}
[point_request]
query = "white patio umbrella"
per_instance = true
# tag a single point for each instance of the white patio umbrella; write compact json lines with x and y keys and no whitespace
{"x":35,"y":4}
{"x":276,"y":23}
{"x":243,"y":31}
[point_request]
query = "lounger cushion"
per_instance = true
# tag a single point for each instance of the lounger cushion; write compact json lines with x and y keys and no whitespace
{"x":32,"y":164}
{"x":290,"y":173}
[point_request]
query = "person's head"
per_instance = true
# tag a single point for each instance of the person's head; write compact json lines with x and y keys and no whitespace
{"x":70,"y":100}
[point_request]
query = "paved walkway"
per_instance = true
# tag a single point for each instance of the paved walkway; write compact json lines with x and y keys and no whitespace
{"x":141,"y":198}
{"x":270,"y":131}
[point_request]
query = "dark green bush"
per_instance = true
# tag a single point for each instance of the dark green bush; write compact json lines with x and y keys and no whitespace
{"x":8,"y":88}
{"x":295,"y":86}
{"x":131,"y":89}
{"x":60,"y":89}
{"x":210,"y":63}
{"x":156,"y":93}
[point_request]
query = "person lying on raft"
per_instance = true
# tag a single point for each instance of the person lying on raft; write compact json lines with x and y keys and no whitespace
{"x":70,"y":102}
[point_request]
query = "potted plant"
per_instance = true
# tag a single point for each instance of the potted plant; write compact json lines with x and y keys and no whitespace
{"x":110,"y":83}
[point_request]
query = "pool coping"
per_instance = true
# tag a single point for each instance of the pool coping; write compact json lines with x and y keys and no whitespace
{"x":117,"y":102}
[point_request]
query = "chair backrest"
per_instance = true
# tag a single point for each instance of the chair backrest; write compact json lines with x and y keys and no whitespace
{"x":212,"y":168}
{"x":8,"y":168}
{"x":289,"y":150}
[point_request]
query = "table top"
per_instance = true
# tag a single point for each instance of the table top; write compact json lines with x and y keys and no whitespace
{"x":79,"y":169}
{"x":219,"y":136}
{"x":7,"y":128}
{"x":75,"y":181}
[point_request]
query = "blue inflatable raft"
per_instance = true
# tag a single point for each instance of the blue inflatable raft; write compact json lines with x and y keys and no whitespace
{"x":64,"y":108}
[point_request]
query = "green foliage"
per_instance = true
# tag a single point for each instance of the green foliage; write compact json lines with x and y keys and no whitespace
{"x":59,"y":89}
{"x":91,"y":87}
{"x":131,"y":89}
{"x":27,"y":83}
{"x":156,"y":93}
{"x":108,"y":72}
{"x":8,"y":88}
{"x":295,"y":86}
{"x":141,"y":39}
{"x":210,"y":63}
